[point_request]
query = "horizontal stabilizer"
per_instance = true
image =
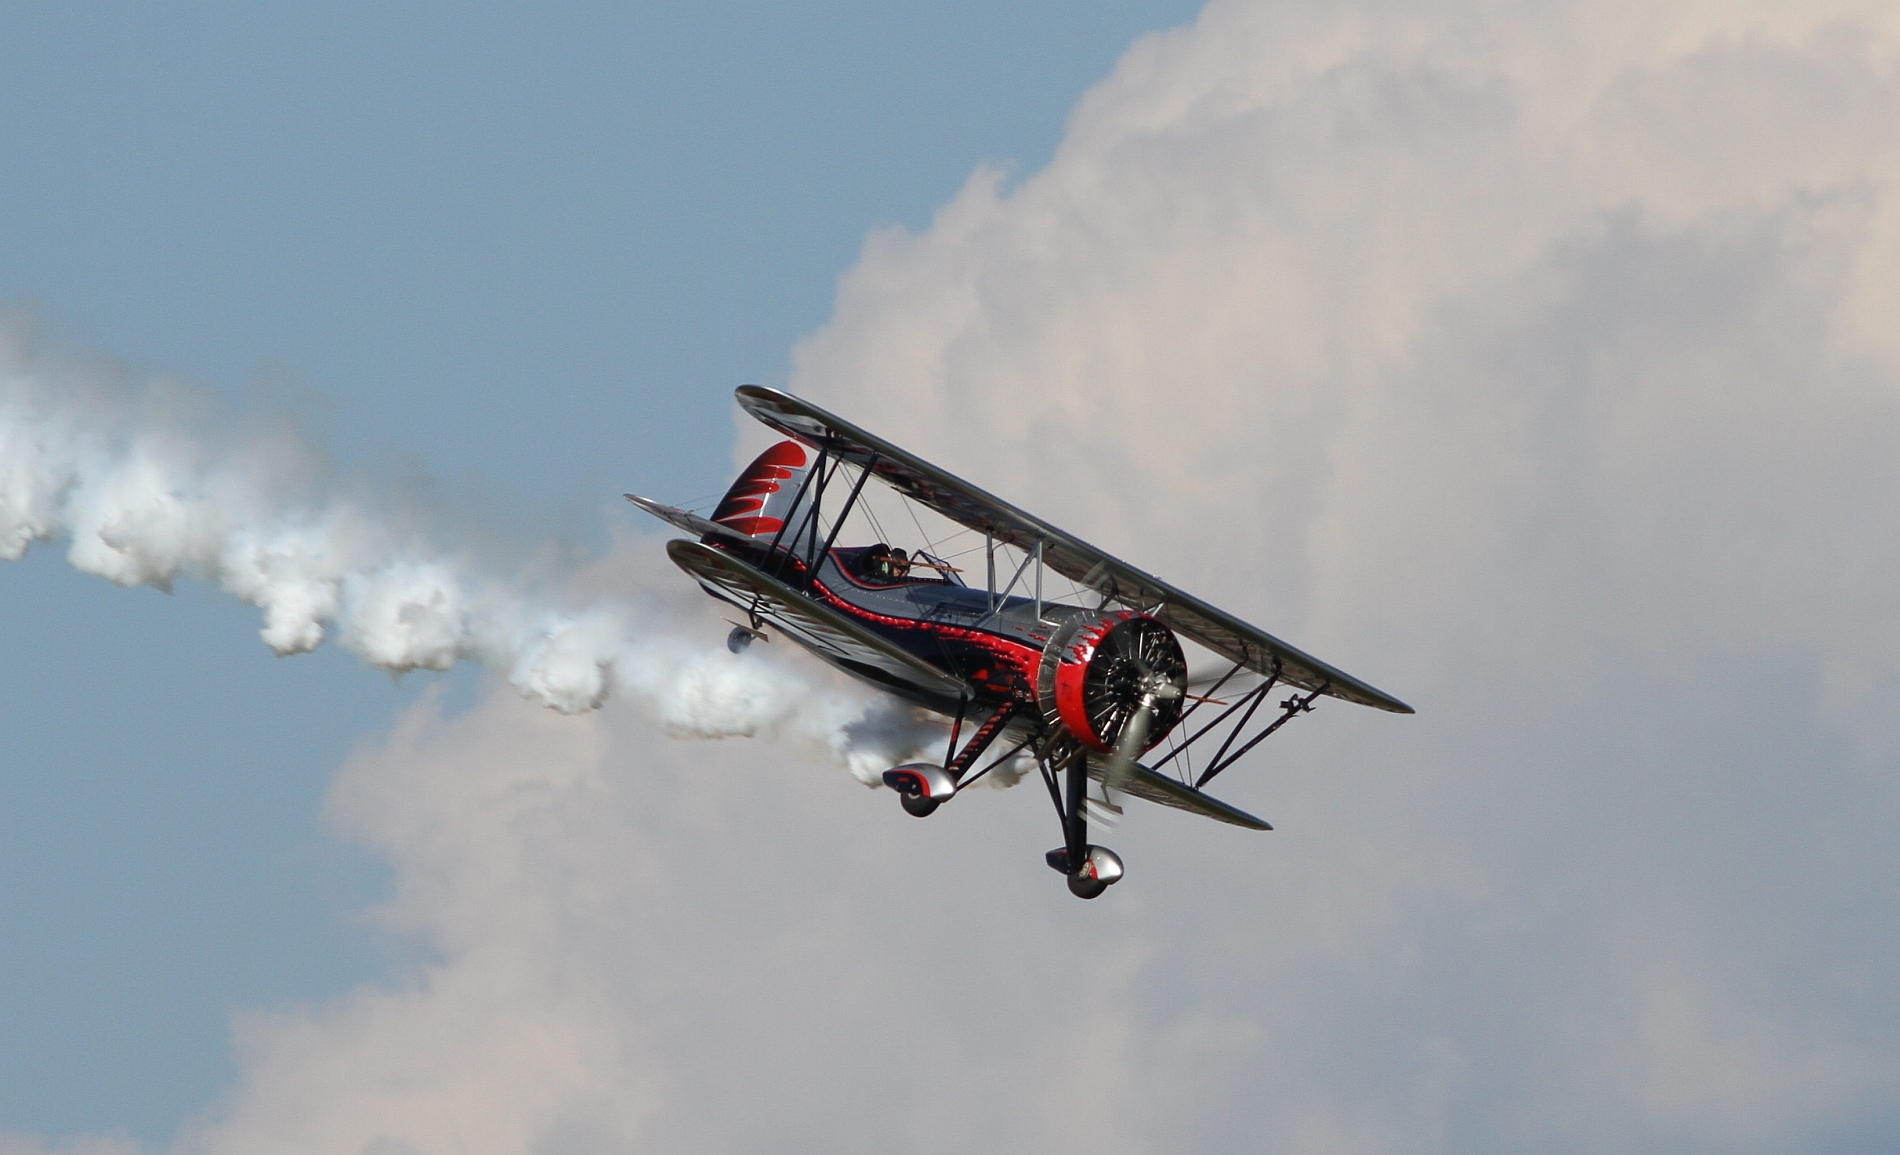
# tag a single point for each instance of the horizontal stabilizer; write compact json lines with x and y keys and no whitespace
{"x":690,"y":522}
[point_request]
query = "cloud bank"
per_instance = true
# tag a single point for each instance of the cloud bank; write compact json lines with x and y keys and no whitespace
{"x":1535,"y":362}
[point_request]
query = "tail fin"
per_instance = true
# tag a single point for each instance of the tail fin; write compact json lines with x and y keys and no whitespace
{"x":760,"y":502}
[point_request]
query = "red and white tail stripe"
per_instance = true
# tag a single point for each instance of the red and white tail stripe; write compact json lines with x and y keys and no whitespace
{"x":760,"y":501}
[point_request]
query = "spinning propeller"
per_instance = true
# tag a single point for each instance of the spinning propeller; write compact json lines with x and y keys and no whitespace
{"x":1155,"y":688}
{"x":1137,"y":679}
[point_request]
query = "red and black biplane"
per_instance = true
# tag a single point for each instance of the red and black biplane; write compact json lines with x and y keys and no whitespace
{"x":1086,"y":690}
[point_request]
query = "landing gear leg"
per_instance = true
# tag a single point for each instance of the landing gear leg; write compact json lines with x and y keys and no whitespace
{"x":923,"y":787}
{"x":1075,"y":824}
{"x":1090,"y":869}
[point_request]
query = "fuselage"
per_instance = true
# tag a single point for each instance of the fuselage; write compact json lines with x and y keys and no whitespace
{"x":995,"y":648}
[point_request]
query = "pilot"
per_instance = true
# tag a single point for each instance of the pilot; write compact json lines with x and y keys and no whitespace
{"x":884,"y":564}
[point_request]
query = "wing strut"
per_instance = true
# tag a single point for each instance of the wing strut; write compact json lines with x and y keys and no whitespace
{"x":1002,"y":758}
{"x":1293,"y":707}
{"x":997,"y":600}
{"x":1250,"y":701}
{"x":1246,"y":706}
{"x":819,"y":468}
{"x":832,"y":537}
{"x":959,"y":765}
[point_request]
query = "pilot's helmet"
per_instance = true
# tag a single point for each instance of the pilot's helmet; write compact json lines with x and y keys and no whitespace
{"x":877,"y":560}
{"x":899,"y":563}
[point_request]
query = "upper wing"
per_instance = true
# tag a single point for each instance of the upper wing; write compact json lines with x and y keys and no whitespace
{"x":1068,"y":555}
{"x":813,"y":623}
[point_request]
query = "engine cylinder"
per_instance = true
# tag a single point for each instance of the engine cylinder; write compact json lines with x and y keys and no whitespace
{"x":1097,"y":669}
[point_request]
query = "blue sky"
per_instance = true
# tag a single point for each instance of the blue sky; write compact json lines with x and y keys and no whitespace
{"x":529,"y":252}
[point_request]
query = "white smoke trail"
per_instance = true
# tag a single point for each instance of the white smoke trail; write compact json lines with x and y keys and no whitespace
{"x":150,"y":484}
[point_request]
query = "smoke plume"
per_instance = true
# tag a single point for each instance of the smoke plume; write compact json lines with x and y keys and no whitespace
{"x":147,"y":484}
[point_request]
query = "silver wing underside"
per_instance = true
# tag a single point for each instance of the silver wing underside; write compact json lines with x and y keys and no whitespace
{"x":1145,"y":784}
{"x":1068,"y":555}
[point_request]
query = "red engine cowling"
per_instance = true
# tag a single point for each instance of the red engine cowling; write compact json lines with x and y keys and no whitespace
{"x":1097,"y":671}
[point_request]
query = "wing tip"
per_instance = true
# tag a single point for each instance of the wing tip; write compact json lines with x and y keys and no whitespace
{"x":1378,"y":699}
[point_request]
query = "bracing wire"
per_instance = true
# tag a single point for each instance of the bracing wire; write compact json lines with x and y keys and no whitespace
{"x":920,"y":527}
{"x":876,"y":528}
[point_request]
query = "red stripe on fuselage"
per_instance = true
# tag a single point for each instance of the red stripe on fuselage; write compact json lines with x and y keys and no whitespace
{"x":1014,"y":664}
{"x":1013,"y":656}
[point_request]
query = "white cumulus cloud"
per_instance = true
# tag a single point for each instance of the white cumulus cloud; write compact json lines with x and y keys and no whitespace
{"x":1535,"y":362}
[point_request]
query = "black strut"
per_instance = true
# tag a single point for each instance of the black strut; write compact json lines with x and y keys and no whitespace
{"x":956,"y":728}
{"x":1002,"y":758}
{"x":979,"y":741}
{"x":1075,"y":821}
{"x":824,"y":452}
{"x":1250,"y":701}
{"x":818,"y":558}
{"x":1293,"y":708}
